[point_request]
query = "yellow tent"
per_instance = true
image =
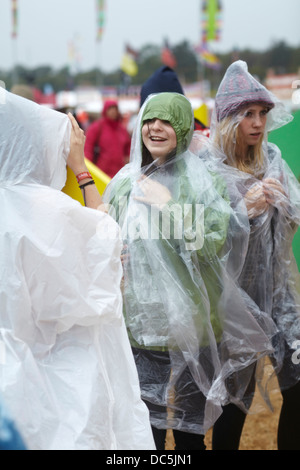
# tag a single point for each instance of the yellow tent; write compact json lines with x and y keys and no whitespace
{"x":72,"y":189}
{"x":202,"y":114}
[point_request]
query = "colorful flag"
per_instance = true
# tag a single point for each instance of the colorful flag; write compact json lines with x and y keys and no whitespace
{"x":132,"y":52}
{"x":211,"y":20}
{"x":208,"y":58}
{"x":14,"y":9}
{"x":74,"y":54}
{"x":167,"y":56}
{"x":128,"y":63}
{"x":100,"y":7}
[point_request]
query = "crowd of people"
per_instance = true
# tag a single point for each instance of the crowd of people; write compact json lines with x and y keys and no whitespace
{"x":169,"y":301}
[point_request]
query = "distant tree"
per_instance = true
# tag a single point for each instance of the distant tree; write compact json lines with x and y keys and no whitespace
{"x":187,"y":63}
{"x":149,"y":59}
{"x":279,"y":56}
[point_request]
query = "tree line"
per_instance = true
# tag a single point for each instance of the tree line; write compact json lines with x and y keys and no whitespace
{"x":280,"y":57}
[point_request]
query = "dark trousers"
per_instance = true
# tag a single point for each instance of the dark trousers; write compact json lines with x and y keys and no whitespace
{"x":154,"y":370}
{"x":289,"y":420}
{"x":228,"y":428}
{"x":183,"y":440}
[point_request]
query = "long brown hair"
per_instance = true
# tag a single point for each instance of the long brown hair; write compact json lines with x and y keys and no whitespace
{"x":227,"y":139}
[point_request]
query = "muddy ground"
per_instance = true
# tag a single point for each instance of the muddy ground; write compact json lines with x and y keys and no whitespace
{"x":259,"y":433}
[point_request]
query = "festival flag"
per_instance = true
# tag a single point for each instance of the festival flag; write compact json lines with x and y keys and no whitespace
{"x":132,"y":52}
{"x":74,"y":54}
{"x":14,"y":8}
{"x":129,"y":61}
{"x":100,"y":7}
{"x":211,"y":20}
{"x":167,"y":56}
{"x":208,"y":58}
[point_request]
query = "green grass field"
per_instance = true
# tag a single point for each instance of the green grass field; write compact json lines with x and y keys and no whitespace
{"x":288,"y":140}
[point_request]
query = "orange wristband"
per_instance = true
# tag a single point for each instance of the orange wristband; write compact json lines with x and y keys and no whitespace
{"x":83,"y":176}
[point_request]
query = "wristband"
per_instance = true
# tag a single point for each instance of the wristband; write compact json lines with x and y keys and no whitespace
{"x":83,"y":176}
{"x":82,"y":186}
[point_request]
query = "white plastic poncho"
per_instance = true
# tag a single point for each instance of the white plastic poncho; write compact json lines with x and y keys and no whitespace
{"x":67,"y":372}
{"x":190,"y":326}
{"x":270,"y":275}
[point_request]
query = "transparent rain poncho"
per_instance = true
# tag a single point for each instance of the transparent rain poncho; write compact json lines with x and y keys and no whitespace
{"x":67,"y":372}
{"x":190,"y":326}
{"x":270,"y":275}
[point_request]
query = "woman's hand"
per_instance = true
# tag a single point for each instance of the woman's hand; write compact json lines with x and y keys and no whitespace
{"x":75,"y":159}
{"x":154,"y":193}
{"x":77,"y":164}
{"x":256,"y":201}
{"x":274,"y":191}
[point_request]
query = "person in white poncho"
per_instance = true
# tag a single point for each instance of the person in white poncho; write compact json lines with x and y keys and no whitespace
{"x":68,"y":378}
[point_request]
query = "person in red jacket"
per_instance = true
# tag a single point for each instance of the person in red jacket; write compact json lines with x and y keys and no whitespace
{"x":107,"y":142}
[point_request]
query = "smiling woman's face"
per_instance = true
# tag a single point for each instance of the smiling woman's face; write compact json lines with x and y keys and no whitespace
{"x":159,"y":137}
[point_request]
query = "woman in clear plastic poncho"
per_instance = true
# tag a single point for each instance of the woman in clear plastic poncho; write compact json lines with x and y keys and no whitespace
{"x":181,"y":307}
{"x":245,"y":112}
{"x":67,"y":372}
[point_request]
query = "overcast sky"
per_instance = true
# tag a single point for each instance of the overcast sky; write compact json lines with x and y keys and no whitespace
{"x":47,"y":27}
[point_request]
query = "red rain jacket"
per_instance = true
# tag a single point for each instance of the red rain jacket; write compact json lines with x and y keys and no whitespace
{"x":107,"y":142}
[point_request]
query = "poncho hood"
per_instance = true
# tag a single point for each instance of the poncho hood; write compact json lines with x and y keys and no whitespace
{"x":43,"y":141}
{"x":175,"y":109}
{"x":239,"y":90}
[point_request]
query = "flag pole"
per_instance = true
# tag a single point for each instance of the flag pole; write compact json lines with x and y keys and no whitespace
{"x":100,"y":9}
{"x":14,"y":35}
{"x":15,"y":75}
{"x":98,"y":62}
{"x":200,"y":65}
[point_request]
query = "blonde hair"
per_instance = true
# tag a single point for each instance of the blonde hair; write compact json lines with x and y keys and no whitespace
{"x":227,"y":140}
